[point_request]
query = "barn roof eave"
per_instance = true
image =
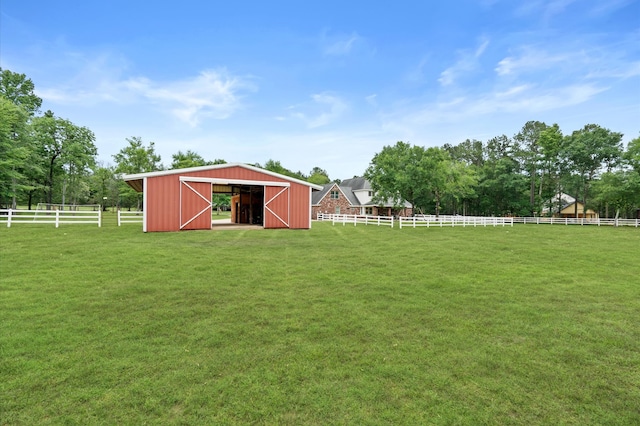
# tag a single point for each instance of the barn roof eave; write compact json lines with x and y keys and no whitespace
{"x":140,"y":176}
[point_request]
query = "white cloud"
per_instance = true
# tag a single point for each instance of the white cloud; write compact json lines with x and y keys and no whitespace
{"x":528,"y":99}
{"x":530,"y":59}
{"x":213,"y":93}
{"x":467,"y":62}
{"x":546,"y":9}
{"x":325,"y":109}
{"x":339,"y":45}
{"x":609,"y":6}
{"x":372,"y":99}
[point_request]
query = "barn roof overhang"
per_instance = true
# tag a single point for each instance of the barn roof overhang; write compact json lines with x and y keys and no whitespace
{"x":243,"y":182}
{"x":136,"y":181}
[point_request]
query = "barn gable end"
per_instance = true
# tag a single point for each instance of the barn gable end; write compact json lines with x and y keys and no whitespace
{"x":180,"y":199}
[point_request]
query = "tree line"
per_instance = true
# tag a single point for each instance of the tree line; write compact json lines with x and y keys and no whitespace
{"x":523,"y":175}
{"x":48,"y":159}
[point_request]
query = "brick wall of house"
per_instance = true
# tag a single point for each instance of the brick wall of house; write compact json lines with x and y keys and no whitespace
{"x":328,"y":205}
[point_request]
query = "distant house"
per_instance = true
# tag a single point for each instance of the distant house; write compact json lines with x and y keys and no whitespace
{"x":565,"y":206}
{"x":353,"y":197}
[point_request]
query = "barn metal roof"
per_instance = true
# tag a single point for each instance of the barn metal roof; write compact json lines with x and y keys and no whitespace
{"x":135,"y":180}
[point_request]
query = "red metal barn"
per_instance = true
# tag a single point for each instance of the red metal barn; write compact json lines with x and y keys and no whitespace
{"x":179,"y":199}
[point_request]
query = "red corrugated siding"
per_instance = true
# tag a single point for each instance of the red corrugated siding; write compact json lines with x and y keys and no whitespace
{"x":300,"y":207}
{"x":163,"y":200}
{"x":192,"y":205}
{"x":163,"y":203}
{"x":234,"y":173}
{"x":277,"y":209}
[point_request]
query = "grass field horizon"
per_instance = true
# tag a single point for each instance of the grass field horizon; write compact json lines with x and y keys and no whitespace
{"x":336,"y":325}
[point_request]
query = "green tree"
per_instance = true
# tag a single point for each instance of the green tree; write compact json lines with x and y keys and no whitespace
{"x":18,"y":89}
{"x":588,"y":150}
{"x":66,"y":151}
{"x":137,"y":158}
{"x":318,"y":176}
{"x":552,"y":166}
{"x":502,"y":187}
{"x":397,"y":174}
{"x":17,"y":163}
{"x":276,"y":167}
{"x":528,"y":144}
{"x":104,"y":186}
{"x":463,"y":180}
{"x":469,"y":157}
{"x":14,"y":150}
{"x":437,"y":173}
{"x":611,"y":190}
{"x":632,"y":154}
{"x":470,"y":152}
{"x":182,"y":160}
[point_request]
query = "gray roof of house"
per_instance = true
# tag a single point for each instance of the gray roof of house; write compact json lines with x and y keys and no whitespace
{"x":348,"y":186}
{"x":356,"y":183}
{"x":348,"y":192}
{"x":317,"y":196}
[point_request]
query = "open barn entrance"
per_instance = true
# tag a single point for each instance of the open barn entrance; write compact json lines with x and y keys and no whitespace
{"x":247,"y":203}
{"x":255,"y":203}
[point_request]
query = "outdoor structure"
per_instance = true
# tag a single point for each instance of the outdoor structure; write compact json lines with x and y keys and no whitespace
{"x":354,"y":197}
{"x":566,"y":206}
{"x":180,"y":199}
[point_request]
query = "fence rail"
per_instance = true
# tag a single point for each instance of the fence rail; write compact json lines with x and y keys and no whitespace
{"x":452,"y":221}
{"x":129,"y":217}
{"x":345,"y":219}
{"x":578,"y":221}
{"x":57,"y":217}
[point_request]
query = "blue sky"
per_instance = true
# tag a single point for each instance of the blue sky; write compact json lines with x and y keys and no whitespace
{"x":326,"y":83}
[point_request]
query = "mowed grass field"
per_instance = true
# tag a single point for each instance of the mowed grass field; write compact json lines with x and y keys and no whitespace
{"x":531,"y":324}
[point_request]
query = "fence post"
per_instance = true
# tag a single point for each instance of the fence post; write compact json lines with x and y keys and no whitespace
{"x":100,"y":217}
{"x":9,"y":218}
{"x":57,"y":217}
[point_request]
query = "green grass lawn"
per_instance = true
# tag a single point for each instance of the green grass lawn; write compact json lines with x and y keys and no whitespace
{"x":336,"y":325}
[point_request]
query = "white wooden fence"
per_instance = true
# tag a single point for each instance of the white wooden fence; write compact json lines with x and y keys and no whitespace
{"x":441,"y":221}
{"x":129,"y":217}
{"x":58,"y":217}
{"x":578,"y":221}
{"x":345,"y":219}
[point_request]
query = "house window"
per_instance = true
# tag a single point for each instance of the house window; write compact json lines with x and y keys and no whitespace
{"x":368,"y":210}
{"x":335,"y":195}
{"x":370,"y":193}
{"x":337,"y":209}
